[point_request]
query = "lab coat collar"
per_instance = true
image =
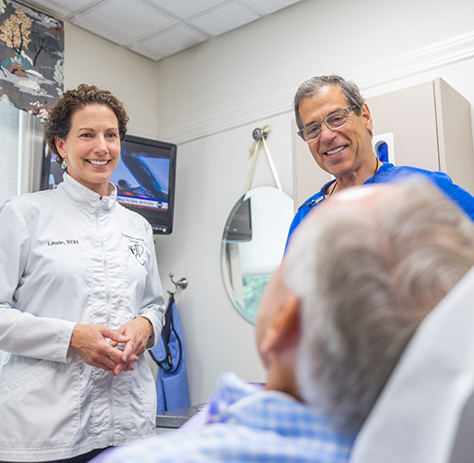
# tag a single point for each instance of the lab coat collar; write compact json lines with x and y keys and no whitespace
{"x":78,"y":194}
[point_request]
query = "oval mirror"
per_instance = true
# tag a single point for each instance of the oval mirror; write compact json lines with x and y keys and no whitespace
{"x":253,"y":243}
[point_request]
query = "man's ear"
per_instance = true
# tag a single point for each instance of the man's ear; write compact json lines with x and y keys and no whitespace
{"x":283,"y":331}
{"x":366,"y":117}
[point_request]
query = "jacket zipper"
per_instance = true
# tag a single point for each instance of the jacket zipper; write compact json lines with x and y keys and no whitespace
{"x":108,"y":317}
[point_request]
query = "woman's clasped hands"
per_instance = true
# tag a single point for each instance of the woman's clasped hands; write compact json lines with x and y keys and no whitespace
{"x":100,"y":346}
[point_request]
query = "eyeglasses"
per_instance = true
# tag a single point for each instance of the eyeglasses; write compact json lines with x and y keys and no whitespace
{"x":334,"y":121}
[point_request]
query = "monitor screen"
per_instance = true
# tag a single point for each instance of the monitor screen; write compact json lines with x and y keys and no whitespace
{"x":145,"y":179}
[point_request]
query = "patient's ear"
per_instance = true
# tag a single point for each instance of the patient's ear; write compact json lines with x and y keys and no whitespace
{"x":283,"y":331}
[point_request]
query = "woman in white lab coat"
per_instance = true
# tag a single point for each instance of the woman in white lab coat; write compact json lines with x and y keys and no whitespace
{"x":80,"y":299}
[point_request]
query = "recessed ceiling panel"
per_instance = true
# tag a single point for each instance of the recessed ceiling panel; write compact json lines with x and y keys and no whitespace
{"x":173,"y":40}
{"x":224,"y":19}
{"x":185,"y":8}
{"x":61,"y":7}
{"x":150,"y":27}
{"x":148,"y":53}
{"x":265,"y":7}
{"x":123,"y":21}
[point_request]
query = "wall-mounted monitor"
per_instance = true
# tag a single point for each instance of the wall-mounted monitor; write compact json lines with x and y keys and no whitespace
{"x":145,"y":179}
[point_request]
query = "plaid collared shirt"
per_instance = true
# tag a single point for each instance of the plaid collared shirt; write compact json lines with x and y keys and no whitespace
{"x":243,"y":423}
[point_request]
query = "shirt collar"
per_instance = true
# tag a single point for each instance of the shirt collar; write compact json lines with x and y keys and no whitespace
{"x":238,"y":402}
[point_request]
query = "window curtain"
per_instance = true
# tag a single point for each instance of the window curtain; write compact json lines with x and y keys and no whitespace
{"x":32,"y":56}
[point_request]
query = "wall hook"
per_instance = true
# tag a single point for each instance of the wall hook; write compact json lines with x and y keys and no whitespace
{"x":181,"y":283}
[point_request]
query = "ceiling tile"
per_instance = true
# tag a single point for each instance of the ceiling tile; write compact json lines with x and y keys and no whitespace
{"x":224,"y":19}
{"x":185,"y":8}
{"x":173,"y":40}
{"x":122,"y":21}
{"x":61,"y":7}
{"x":265,"y":7}
{"x":139,"y":48}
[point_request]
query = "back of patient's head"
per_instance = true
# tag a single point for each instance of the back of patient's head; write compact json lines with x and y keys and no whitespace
{"x":367,"y":267}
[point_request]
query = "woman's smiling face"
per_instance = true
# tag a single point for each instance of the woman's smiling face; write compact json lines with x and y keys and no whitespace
{"x":92,"y":147}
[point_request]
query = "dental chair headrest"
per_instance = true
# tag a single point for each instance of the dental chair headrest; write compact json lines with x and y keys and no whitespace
{"x":425,"y":414}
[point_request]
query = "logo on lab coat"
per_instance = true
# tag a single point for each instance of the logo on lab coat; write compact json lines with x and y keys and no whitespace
{"x":137,"y":250}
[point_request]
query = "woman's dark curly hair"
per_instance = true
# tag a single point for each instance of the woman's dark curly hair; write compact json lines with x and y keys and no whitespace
{"x":59,"y":121}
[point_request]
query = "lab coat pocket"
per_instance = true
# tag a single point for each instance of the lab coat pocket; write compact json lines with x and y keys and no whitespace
{"x":144,"y":394}
{"x":40,"y":407}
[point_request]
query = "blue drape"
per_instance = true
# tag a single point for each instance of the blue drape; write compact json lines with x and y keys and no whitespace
{"x":172,"y":388}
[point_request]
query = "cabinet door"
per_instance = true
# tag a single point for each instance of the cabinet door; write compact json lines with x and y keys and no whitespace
{"x":409,"y":114}
{"x":456,"y":152}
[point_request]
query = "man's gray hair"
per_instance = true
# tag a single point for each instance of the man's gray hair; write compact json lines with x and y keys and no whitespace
{"x":366,"y":278}
{"x":312,"y":86}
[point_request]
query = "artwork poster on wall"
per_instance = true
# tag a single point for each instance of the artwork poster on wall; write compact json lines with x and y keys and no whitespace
{"x":32,"y":56}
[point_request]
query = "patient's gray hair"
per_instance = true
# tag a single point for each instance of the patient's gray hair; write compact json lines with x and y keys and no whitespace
{"x":366,"y":277}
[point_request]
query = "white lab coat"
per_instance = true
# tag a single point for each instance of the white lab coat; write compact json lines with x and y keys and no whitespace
{"x":71,"y":256}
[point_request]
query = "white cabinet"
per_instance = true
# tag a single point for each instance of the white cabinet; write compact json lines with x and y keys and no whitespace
{"x":431,"y":127}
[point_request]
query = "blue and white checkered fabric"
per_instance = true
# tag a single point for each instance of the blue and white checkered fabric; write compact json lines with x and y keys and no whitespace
{"x":244,"y":424}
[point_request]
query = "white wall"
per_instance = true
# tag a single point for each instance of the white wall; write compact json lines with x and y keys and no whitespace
{"x":211,"y":177}
{"x":209,"y":98}
{"x":131,"y":77}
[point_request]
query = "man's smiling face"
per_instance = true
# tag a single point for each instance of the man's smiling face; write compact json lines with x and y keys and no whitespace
{"x":341,"y":152}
